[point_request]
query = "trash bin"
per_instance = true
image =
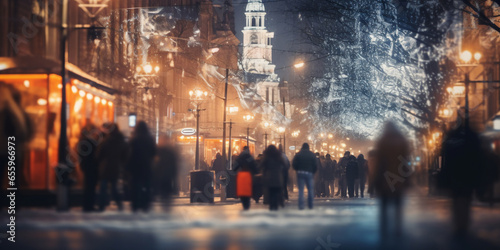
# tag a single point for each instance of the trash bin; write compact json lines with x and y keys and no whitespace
{"x":202,"y":186}
{"x":231,"y":184}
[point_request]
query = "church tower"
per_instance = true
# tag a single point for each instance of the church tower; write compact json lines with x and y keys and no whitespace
{"x":257,"y":48}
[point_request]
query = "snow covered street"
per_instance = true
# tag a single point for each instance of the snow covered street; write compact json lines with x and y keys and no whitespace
{"x":332,"y":224}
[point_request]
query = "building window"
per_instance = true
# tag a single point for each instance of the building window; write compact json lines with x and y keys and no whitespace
{"x":260,"y":22}
{"x":253,"y":22}
{"x":254,"y":39}
{"x":268,"y":41}
{"x":267,"y":95}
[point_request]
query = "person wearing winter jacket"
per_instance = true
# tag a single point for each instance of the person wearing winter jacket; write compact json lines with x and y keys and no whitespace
{"x":306,"y":165}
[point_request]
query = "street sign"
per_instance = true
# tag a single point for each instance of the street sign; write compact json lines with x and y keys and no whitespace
{"x":188,"y":131}
{"x":292,"y":147}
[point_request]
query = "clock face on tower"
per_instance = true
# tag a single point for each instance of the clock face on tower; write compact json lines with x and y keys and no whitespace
{"x":254,"y":39}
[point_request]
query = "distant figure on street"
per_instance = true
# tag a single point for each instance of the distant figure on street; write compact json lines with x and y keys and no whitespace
{"x":329,"y":176}
{"x":86,"y":148}
{"x":285,"y":175}
{"x":464,"y":168}
{"x":166,"y":168}
{"x":341,"y":167}
{"x":351,"y":175}
{"x":143,"y":149}
{"x":318,"y":183}
{"x":389,"y":178}
{"x":111,"y":156}
{"x":219,"y":167}
{"x":245,"y":167}
{"x":306,"y":165}
{"x":372,"y":160}
{"x":272,"y":173}
{"x":362,"y":175}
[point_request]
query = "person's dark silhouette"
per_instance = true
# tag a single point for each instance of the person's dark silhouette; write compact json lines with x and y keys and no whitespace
{"x":306,"y":165}
{"x":341,"y":167}
{"x":86,"y":149}
{"x":351,"y":174}
{"x":362,"y":174}
{"x":389,"y":181}
{"x":111,"y":156}
{"x":462,"y":167}
{"x":245,"y":164}
{"x":142,"y":151}
{"x":272,"y":166}
{"x":166,"y":169}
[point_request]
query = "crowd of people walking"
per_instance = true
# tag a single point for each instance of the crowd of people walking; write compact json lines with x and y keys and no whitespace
{"x":107,"y":159}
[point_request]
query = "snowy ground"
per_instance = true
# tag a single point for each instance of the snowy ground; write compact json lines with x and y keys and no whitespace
{"x":332,"y":224}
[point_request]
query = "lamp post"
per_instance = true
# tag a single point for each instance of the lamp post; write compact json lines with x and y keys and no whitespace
{"x":197,"y":96}
{"x":466,"y":57}
{"x":281,"y":130}
{"x":266,"y":126}
{"x":295,"y":134}
{"x":248,"y":119}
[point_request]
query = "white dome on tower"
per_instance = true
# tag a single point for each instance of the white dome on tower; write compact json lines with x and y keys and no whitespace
{"x":255,"y":6}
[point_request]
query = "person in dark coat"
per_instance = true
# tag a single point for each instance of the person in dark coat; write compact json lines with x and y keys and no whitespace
{"x":246,"y":163}
{"x":258,"y":186}
{"x":86,"y":148}
{"x":329,"y":176}
{"x":318,"y":182}
{"x":341,"y":167}
{"x":351,"y":174}
{"x":166,"y":168}
{"x":463,"y":168}
{"x":111,"y":156}
{"x":219,"y":168}
{"x":306,"y":165}
{"x":362,"y":174}
{"x":142,"y":152}
{"x":272,"y":166}
{"x":391,"y":147}
{"x":285,"y":175}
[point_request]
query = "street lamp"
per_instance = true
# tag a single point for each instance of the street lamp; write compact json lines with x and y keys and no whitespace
{"x":248,"y":119}
{"x":295,"y":134}
{"x":466,"y":57}
{"x":266,"y":126}
{"x":197,"y":96}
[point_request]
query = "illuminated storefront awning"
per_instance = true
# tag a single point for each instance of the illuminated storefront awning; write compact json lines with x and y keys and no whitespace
{"x":41,"y":65}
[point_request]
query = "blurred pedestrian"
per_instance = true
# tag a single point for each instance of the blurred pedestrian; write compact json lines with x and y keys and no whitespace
{"x":219,"y":167}
{"x":258,"y":183}
{"x":329,"y":176}
{"x":351,"y":174}
{"x":245,"y":167}
{"x":463,"y":169}
{"x":342,"y":167}
{"x":86,"y":148}
{"x":272,"y":166}
{"x":306,"y":165}
{"x":111,"y":156}
{"x":285,"y":175}
{"x":372,"y":160}
{"x":318,"y":183}
{"x":362,"y":175}
{"x":389,"y":178}
{"x":166,"y":168}
{"x":143,"y":149}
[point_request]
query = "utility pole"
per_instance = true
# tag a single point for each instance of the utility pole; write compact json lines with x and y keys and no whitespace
{"x":265,"y":140}
{"x":229,"y":150}
{"x":224,"y":122}
{"x":284,"y":133}
{"x":63,"y":168}
{"x":467,"y":83}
